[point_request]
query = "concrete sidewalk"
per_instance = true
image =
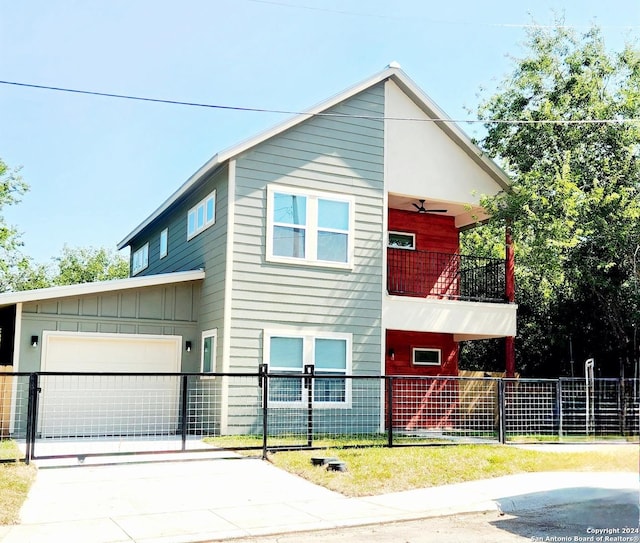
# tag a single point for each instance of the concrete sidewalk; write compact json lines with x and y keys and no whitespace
{"x":213,"y":498}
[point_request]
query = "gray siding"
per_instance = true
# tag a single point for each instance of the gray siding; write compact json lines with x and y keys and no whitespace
{"x":164,"y":310}
{"x":186,"y":254}
{"x":328,"y":154}
{"x":207,"y":250}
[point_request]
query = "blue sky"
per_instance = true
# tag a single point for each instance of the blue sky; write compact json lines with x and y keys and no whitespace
{"x":98,"y":166}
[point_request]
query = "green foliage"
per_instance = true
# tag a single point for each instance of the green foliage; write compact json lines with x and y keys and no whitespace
{"x":13,"y":264}
{"x":575,"y":203}
{"x":85,"y":265}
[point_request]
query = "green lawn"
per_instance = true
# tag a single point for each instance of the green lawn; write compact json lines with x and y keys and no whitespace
{"x":15,"y":481}
{"x":378,"y":470}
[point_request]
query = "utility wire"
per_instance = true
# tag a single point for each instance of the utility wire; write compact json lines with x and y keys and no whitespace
{"x":335,"y":115}
{"x":428,"y":20}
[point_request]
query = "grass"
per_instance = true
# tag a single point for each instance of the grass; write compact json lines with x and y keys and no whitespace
{"x":378,"y":470}
{"x":15,"y":481}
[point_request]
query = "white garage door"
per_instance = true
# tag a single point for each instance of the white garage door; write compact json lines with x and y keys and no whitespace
{"x":103,"y":405}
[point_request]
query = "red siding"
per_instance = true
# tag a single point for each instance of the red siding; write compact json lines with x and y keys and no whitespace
{"x":433,"y":232}
{"x":422,"y":403}
{"x":402,"y":343}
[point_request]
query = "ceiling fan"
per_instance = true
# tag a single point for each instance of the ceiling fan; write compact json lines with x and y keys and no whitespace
{"x":421,"y":209}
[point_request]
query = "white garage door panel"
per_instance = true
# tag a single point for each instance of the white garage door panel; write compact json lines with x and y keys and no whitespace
{"x":99,"y":405}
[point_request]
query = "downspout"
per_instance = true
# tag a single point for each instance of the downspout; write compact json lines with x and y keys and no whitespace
{"x":510,"y":294}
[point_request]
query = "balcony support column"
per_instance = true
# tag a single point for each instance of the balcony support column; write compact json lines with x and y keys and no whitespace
{"x":510,"y":293}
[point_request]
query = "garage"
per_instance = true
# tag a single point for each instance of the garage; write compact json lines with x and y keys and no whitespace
{"x":89,"y":403}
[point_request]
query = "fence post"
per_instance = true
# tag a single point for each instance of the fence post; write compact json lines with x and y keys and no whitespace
{"x":501,"y":413}
{"x":559,"y":407}
{"x":389,"y":383}
{"x":621,"y":406}
{"x":32,"y":418}
{"x":184,"y":407}
{"x":263,"y":382}
{"x":309,"y":371}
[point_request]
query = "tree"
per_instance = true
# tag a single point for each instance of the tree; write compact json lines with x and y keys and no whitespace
{"x":14,"y":266}
{"x":575,"y":203}
{"x":85,"y":265}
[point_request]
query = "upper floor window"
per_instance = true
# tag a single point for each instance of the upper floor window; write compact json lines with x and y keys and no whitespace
{"x":164,"y":243}
{"x":309,"y":227}
{"x":201,"y":216}
{"x":140,"y":259}
{"x":402,"y":240}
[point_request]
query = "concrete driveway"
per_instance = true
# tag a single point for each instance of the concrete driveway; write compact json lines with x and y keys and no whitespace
{"x":205,"y":497}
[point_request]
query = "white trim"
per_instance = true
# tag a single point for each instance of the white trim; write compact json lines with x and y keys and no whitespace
{"x":202,"y":205}
{"x":164,"y":248}
{"x":398,"y":76}
{"x":228,"y":296}
{"x":311,"y":227}
{"x":309,"y":338}
{"x":144,"y":251}
{"x":9,"y":298}
{"x":398,"y":233}
{"x":414,"y":350}
{"x":213,"y":333}
{"x":15,"y":363}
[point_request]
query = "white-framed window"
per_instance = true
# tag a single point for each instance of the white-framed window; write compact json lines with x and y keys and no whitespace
{"x":309,"y":227}
{"x":164,"y":243}
{"x":402,"y":240}
{"x":290,"y":351}
{"x":140,"y":259}
{"x":426,"y":357}
{"x":202,"y":215}
{"x":208,"y":351}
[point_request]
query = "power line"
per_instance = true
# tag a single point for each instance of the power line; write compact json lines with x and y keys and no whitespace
{"x":431,"y":21}
{"x":334,"y":115}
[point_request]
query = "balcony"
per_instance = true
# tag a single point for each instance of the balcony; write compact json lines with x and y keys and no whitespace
{"x":428,"y":274}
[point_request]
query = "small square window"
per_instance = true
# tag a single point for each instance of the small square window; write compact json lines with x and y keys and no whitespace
{"x":426,"y":357}
{"x":402,"y":240}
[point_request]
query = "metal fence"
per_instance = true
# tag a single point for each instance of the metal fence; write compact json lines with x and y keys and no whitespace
{"x":54,"y":415}
{"x":444,"y":275}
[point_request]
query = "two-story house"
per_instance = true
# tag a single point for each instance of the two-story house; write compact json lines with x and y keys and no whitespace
{"x":331,"y":240}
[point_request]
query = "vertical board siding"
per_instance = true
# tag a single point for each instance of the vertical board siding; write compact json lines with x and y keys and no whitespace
{"x":149,"y":310}
{"x":332,"y":154}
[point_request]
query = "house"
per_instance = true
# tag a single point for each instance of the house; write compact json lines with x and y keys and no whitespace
{"x":330,"y":241}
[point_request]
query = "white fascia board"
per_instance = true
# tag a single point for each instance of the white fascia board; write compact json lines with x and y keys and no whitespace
{"x":10,"y":298}
{"x":232,"y":152}
{"x":204,"y":170}
{"x":400,"y":78}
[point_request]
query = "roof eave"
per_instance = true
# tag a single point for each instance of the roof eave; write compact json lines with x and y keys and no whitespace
{"x":66,"y":291}
{"x":245,"y":145}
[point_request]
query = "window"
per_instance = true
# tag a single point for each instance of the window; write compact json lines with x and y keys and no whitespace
{"x":208,"y":351}
{"x":140,"y":259}
{"x":402,"y":240}
{"x":426,"y":357}
{"x":201,"y":216}
{"x":164,"y":243}
{"x":330,"y":355}
{"x":309,"y":227}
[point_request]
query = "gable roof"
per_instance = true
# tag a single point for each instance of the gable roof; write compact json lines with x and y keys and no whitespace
{"x":392,"y":72}
{"x":50,"y":293}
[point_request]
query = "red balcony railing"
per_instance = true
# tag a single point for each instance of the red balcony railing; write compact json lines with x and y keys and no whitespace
{"x":448,"y":276}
